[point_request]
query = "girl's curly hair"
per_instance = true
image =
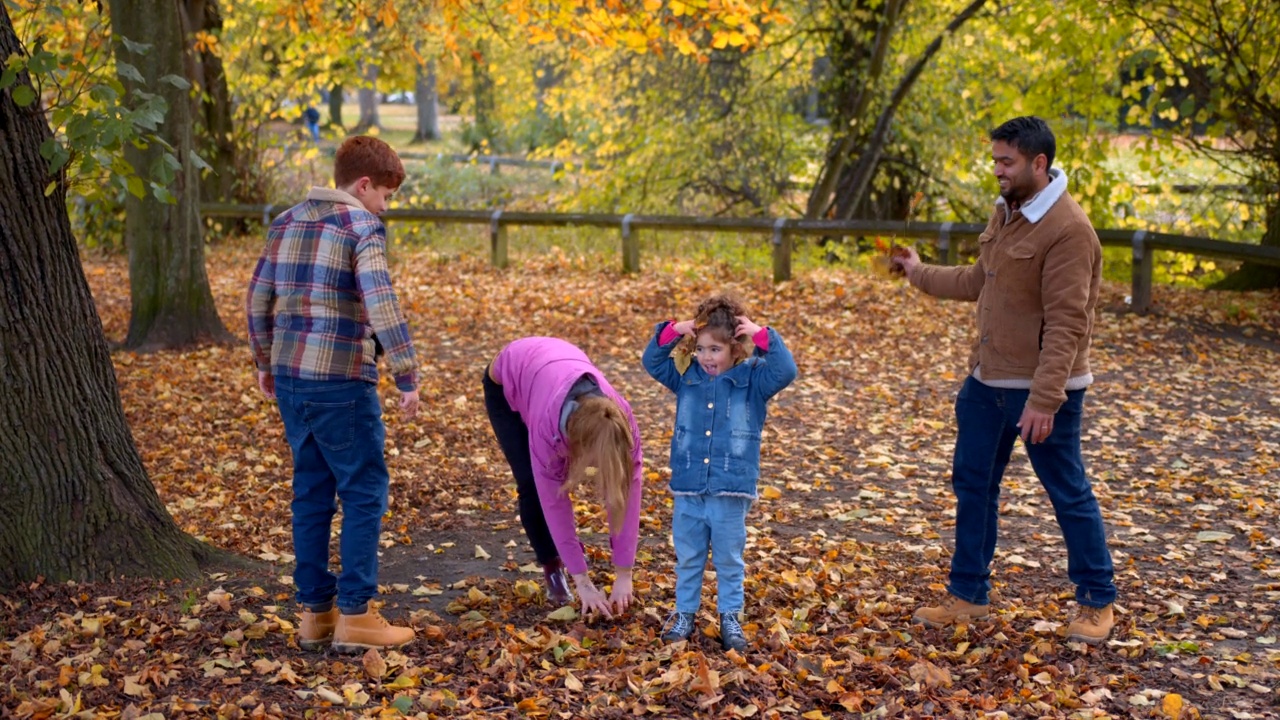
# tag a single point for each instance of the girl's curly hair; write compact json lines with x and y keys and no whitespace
{"x":719,"y":314}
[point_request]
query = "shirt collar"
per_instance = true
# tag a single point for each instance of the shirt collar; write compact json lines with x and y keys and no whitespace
{"x":1037,"y":206}
{"x":324,"y":194}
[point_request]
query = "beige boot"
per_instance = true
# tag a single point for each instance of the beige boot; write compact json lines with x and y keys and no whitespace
{"x":316,"y":629}
{"x":1091,"y":625}
{"x":950,"y":612}
{"x":357,"y":633}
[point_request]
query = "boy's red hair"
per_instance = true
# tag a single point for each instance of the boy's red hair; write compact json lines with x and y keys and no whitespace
{"x":364,"y":156}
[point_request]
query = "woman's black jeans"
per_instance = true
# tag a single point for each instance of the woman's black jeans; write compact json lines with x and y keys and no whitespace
{"x":513,"y":437}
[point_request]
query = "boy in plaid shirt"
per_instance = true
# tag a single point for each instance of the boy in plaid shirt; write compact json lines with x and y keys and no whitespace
{"x":319,"y":294}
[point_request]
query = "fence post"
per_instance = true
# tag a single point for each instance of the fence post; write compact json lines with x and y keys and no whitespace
{"x":1143,"y":267}
{"x":781,"y":252}
{"x":630,"y":246}
{"x":946,"y":249}
{"x":497,"y":241}
{"x":266,"y":215}
{"x":493,"y":165}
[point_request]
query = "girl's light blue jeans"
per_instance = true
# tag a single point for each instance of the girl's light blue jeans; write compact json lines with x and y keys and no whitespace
{"x":715,"y":523}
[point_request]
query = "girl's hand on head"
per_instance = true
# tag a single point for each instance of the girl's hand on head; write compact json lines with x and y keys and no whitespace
{"x":746,"y":327}
{"x":684,"y":327}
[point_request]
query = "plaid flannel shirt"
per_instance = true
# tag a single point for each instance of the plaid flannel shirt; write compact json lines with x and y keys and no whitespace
{"x":320,"y":292}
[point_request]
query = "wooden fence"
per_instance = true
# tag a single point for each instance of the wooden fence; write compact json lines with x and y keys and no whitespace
{"x":944,"y":237}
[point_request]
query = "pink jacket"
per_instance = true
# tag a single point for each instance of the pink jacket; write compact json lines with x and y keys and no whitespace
{"x":536,"y":374}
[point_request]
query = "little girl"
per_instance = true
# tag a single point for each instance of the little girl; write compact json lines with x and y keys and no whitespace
{"x":721,"y":392}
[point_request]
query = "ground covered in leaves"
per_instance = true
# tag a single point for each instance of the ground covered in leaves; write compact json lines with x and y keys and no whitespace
{"x":851,"y":534}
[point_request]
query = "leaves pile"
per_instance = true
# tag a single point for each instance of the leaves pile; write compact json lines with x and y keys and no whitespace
{"x":851,"y":534}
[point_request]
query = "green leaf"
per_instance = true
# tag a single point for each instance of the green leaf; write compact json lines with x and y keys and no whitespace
{"x":125,"y":70}
{"x":48,"y":189}
{"x":404,"y":704}
{"x":163,"y":195}
{"x":136,"y":188}
{"x":24,"y":95}
{"x":564,"y":614}
{"x":42,"y":62}
{"x":8,"y":77}
{"x":177,"y":81}
{"x":136,"y":48}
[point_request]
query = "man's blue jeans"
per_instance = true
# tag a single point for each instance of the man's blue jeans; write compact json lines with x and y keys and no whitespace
{"x":709,"y":522}
{"x":335,"y":431}
{"x":987,"y":418}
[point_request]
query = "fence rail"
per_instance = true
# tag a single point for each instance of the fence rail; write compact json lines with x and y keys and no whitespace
{"x":943,"y":236}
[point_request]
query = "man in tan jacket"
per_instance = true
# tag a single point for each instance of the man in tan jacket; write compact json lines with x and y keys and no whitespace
{"x":1036,"y":285}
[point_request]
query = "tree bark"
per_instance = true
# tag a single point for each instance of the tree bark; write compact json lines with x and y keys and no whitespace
{"x":483,"y":92}
{"x":854,"y":191}
{"x":75,"y":500}
{"x":336,"y":96}
{"x":214,"y":109}
{"x":171,"y":304}
{"x":368,"y":98}
{"x":427,"y":98}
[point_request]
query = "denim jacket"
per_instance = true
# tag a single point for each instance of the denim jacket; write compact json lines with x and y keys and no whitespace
{"x":715,"y":449}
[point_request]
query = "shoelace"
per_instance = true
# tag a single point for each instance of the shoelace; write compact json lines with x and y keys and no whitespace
{"x":1090,"y":614}
{"x":680,"y":625}
{"x":731,"y":626}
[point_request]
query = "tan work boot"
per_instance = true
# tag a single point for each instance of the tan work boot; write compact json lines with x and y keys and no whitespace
{"x":316,"y":629}
{"x":952,"y":611}
{"x":357,"y":633}
{"x":1091,"y":625}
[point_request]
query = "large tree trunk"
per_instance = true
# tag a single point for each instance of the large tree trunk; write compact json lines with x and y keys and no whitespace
{"x":484,"y":95}
{"x":171,"y":302}
{"x":214,"y":110}
{"x":336,"y":96}
{"x":75,"y":501}
{"x":368,"y":97}
{"x":1253,"y":276}
{"x":426,"y":96}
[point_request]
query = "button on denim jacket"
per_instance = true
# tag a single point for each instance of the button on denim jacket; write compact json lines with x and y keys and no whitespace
{"x":715,"y":449}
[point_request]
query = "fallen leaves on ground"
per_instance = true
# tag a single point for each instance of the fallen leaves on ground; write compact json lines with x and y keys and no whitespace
{"x":852,"y":532}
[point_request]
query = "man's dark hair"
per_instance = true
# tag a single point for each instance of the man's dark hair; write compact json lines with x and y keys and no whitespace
{"x":1030,"y":135}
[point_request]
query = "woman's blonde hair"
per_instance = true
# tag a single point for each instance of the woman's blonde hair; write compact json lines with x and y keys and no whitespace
{"x":600,"y":445}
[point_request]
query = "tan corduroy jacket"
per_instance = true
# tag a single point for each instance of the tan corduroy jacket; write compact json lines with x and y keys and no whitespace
{"x":1036,"y":286}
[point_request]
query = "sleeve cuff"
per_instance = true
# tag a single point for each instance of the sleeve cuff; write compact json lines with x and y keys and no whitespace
{"x":668,"y":334}
{"x":761,"y":339}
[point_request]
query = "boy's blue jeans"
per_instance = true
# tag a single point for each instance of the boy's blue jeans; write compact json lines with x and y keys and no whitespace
{"x":336,"y":434}
{"x":709,"y":522}
{"x":987,"y":418}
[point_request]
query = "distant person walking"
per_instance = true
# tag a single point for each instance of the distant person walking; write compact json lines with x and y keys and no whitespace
{"x":1036,"y":286}
{"x":311,"y":117}
{"x":319,"y":293}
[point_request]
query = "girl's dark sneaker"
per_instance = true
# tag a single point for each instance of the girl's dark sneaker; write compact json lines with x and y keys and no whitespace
{"x":558,"y":591}
{"x":678,"y":627}
{"x":731,"y":635}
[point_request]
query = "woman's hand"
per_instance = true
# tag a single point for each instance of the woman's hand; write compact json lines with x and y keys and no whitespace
{"x":622,"y":594}
{"x":593,"y":599}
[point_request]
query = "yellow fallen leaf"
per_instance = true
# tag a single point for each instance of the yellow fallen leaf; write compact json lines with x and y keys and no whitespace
{"x":769,"y":492}
{"x":481,"y":553}
{"x":571,"y":682}
{"x":1172,"y":705}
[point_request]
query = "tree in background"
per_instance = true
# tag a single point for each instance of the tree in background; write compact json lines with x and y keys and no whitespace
{"x":171,"y":304}
{"x":1226,"y":52}
{"x":75,"y":500}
